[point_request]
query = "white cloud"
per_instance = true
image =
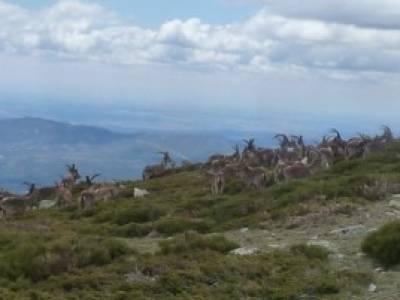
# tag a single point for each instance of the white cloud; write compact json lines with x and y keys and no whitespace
{"x":370,"y":13}
{"x":357,"y":37}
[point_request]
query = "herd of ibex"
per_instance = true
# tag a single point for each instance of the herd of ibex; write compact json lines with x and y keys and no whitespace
{"x":61,"y":192}
{"x":256,"y":167}
{"x":293,"y":159}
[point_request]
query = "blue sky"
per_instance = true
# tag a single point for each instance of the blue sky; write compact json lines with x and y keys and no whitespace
{"x":152,"y":13}
{"x":270,"y":59}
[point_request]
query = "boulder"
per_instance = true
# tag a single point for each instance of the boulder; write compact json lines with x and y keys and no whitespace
{"x":139,"y":193}
{"x":372,"y":288}
{"x":46,"y":204}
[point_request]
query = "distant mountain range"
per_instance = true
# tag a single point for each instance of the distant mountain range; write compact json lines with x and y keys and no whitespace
{"x":37,"y":150}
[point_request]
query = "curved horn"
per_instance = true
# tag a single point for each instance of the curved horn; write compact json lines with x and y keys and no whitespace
{"x":363,"y":136}
{"x":95,"y":176}
{"x":280,"y":136}
{"x":387,"y":131}
{"x":335,"y":131}
{"x":283,"y":139}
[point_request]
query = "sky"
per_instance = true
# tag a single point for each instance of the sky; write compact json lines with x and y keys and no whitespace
{"x":321,"y":61}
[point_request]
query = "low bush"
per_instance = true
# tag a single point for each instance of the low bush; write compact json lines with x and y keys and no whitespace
{"x":384,"y":244}
{"x":173,"y":226}
{"x":37,"y":257}
{"x":137,"y":214}
{"x":131,"y":230}
{"x":310,"y":251}
{"x":194,"y":242}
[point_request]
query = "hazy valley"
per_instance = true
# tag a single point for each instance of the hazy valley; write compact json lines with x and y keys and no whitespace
{"x":37,"y":150}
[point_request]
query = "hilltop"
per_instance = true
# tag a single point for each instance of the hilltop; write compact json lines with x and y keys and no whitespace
{"x":302,"y":239}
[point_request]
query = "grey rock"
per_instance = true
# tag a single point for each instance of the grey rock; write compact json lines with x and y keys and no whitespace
{"x":372,"y":288}
{"x":138,"y":277}
{"x":394,"y":203}
{"x":322,"y":243}
{"x":350,"y":230}
{"x":46,"y":204}
{"x":139,"y":193}
{"x":245,"y":251}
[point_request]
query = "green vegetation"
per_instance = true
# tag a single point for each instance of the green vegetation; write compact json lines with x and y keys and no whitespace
{"x":310,"y":251}
{"x":197,"y":242}
{"x":94,"y":254}
{"x":384,"y":244}
{"x":35,"y":257}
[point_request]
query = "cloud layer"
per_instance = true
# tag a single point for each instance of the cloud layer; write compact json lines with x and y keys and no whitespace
{"x":340,"y":38}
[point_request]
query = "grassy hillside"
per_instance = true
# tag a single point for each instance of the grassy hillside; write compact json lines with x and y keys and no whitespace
{"x":173,"y":244}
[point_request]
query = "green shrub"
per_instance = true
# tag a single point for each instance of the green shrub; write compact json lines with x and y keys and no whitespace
{"x":384,"y":244}
{"x":193,"y":241}
{"x":235,"y":187}
{"x":173,"y":226}
{"x":36,"y":257}
{"x":310,"y":251}
{"x":131,"y":230}
{"x":138,"y":215}
{"x":98,"y":252}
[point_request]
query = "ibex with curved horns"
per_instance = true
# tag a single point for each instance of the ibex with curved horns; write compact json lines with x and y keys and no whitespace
{"x":337,"y":144}
{"x":283,"y":140}
{"x":72,"y":177}
{"x":158,"y":170}
{"x":89,"y":180}
{"x":166,"y":159}
{"x":250,"y":145}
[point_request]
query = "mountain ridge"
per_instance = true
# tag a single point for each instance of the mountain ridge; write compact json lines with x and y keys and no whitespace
{"x":37,"y":150}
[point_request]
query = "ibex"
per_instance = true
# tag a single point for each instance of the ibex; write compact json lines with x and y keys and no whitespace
{"x":283,"y":140}
{"x":290,"y":172}
{"x":337,"y":144}
{"x":217,"y":179}
{"x":166,"y":159}
{"x":72,"y":177}
{"x":95,"y":194}
{"x":378,"y":143}
{"x":254,"y":177}
{"x":159,"y":170}
{"x":153,"y":171}
{"x":16,"y":205}
{"x":89,"y":180}
{"x":355,"y":147}
{"x":63,"y":194}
